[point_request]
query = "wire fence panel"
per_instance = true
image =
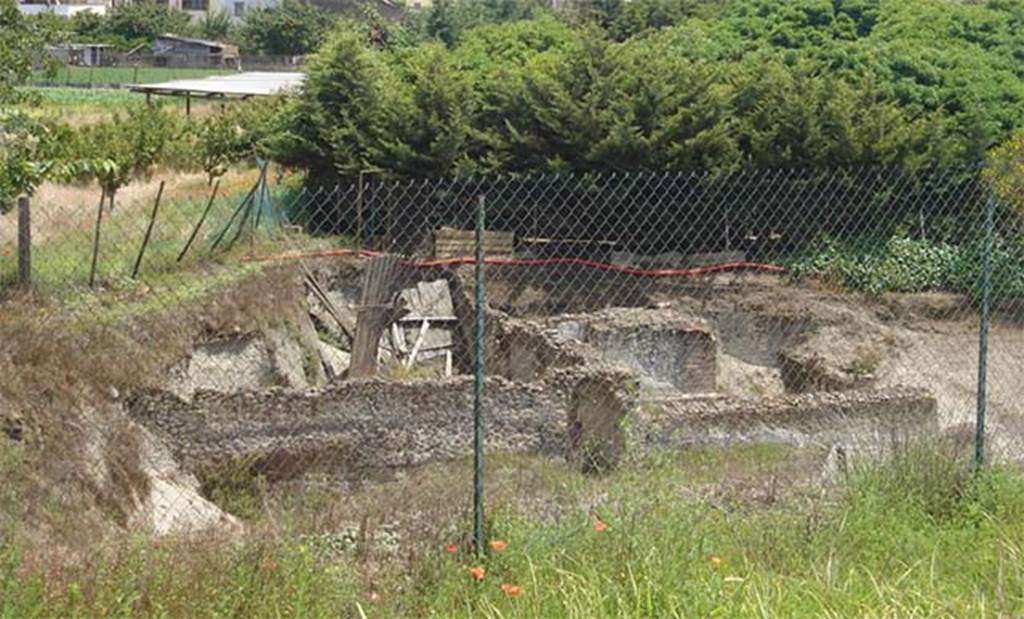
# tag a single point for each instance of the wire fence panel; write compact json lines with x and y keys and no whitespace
{"x":117,"y":69}
{"x":208,"y":342}
{"x":861,"y":281}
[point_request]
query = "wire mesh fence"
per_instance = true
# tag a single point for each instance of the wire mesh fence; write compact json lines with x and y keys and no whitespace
{"x":118,"y":69}
{"x":835,"y":310}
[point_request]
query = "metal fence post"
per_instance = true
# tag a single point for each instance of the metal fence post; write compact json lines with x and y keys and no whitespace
{"x":359,"y":211}
{"x":24,"y":243}
{"x":986,"y":303}
{"x":478,"y":383}
{"x":149,"y":232}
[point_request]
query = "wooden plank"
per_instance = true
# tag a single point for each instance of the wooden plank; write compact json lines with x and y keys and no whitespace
{"x":449,"y":243}
{"x":377,"y":310}
{"x":416,"y":346}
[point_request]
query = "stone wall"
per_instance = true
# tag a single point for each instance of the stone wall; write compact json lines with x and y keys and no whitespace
{"x":664,"y":347}
{"x":366,"y":428}
{"x":372,"y":428}
{"x":868,"y":418}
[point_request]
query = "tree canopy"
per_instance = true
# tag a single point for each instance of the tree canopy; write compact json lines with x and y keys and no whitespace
{"x":677,"y":84}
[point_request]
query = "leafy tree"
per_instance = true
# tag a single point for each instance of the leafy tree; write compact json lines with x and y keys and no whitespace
{"x":131,"y":144}
{"x":142,"y":22}
{"x":216,"y":26}
{"x":89,"y":26}
{"x":447,"y":20}
{"x":27,"y":145}
{"x":291,"y":28}
{"x":26,"y":155}
{"x":20,"y":43}
{"x":1005,"y":170}
{"x":691,"y":84}
{"x":235,"y":134}
{"x":342,"y":112}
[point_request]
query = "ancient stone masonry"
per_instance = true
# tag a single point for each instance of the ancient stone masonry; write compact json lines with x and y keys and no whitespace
{"x":367,"y":428}
{"x":567,"y":385}
{"x":872,"y":419}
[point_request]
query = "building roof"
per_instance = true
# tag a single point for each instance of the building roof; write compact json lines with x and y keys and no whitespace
{"x":248,"y":84}
{"x":76,"y":46}
{"x":206,"y":42}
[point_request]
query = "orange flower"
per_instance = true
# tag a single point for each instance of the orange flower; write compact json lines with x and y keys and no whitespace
{"x":511,"y":590}
{"x":451,"y":548}
{"x":477,"y":572}
{"x":600,"y":526}
{"x":497,"y":544}
{"x":716,"y":561}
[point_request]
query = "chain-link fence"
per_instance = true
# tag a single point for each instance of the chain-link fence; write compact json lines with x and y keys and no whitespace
{"x":80,"y":68}
{"x":295,"y":335}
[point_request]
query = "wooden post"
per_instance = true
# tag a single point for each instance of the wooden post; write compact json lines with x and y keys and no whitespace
{"x":24,"y":243}
{"x":375,"y":312}
{"x":149,"y":232}
{"x":188,"y":103}
{"x":96,"y":240}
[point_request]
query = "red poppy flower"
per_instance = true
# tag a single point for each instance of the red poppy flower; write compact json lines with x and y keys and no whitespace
{"x":511,"y":590}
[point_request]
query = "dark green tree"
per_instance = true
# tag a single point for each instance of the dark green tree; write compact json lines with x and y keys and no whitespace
{"x":291,"y":28}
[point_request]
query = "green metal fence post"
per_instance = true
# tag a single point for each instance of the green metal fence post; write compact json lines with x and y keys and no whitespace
{"x":986,"y":308}
{"x":478,"y":385}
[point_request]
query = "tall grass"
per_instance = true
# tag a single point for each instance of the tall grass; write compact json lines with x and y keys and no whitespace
{"x":62,"y":252}
{"x":918,"y":536}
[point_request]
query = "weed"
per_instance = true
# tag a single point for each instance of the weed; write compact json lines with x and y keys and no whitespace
{"x":918,"y":535}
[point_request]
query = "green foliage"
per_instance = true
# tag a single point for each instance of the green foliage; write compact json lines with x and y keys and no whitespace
{"x":897,"y":264}
{"x":341,"y":116}
{"x":126,"y":25}
{"x":918,"y":535}
{"x":26,"y":155}
{"x":132,"y":143}
{"x":1005,"y":170}
{"x":291,"y":28}
{"x":904,"y":264}
{"x":20,"y":41}
{"x":234,"y":134}
{"x":139,"y":23}
{"x":623,"y":20}
{"x":215,"y":26}
{"x":448,"y":20}
{"x":678,"y":84}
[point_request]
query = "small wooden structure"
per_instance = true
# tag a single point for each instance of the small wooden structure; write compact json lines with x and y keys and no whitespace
{"x":451,"y":243}
{"x":174,"y":50}
{"x":82,"y":54}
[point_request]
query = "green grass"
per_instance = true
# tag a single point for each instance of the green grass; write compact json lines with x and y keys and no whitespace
{"x":918,"y":537}
{"x":62,"y":259}
{"x":88,"y":98}
{"x":122,"y":75}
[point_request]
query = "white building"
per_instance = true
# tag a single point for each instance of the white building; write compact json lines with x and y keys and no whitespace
{"x":235,"y":8}
{"x":64,"y":9}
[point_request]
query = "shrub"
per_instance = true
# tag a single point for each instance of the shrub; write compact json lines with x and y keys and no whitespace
{"x":896,"y":264}
{"x":142,"y":22}
{"x":904,"y":264}
{"x":289,"y":29}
